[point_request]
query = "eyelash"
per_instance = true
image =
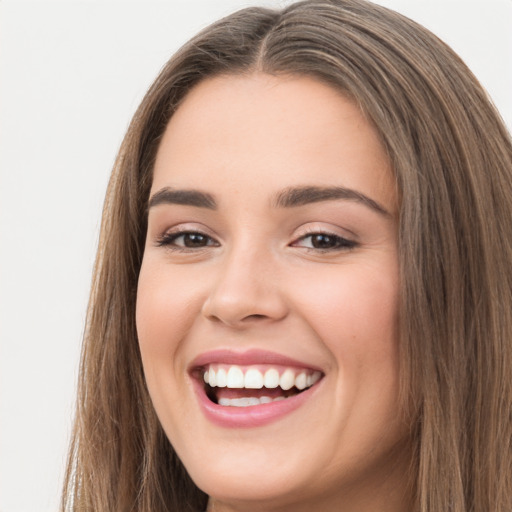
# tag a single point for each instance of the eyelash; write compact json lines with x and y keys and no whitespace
{"x":168,"y":240}
{"x":340,"y":243}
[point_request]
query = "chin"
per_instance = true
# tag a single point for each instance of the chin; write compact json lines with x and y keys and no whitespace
{"x":264,"y":489}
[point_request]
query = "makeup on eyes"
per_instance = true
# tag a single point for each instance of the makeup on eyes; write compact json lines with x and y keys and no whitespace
{"x":339,"y":224}
{"x":319,"y":241}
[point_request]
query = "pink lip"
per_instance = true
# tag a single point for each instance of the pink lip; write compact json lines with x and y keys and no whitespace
{"x":252,"y":416}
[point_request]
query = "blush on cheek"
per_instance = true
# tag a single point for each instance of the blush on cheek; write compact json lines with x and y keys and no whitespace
{"x":158,"y":312}
{"x":153,"y":323}
{"x":358,"y":315}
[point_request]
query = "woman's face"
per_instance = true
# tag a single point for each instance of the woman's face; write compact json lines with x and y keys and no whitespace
{"x":270,"y":270}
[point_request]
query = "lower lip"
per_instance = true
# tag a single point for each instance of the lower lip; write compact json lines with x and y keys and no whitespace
{"x":253,"y":415}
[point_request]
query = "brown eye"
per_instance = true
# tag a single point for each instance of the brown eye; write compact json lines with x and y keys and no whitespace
{"x":186,"y":240}
{"x":194,"y":240}
{"x":324,"y":242}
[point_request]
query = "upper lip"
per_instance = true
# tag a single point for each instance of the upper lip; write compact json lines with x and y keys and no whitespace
{"x":247,"y":358}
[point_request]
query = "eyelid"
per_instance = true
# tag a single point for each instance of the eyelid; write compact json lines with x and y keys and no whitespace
{"x":344,"y":243}
{"x":313,"y":228}
{"x":166,"y":238}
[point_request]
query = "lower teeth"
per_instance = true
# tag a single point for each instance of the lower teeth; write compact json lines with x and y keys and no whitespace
{"x":247,"y":402}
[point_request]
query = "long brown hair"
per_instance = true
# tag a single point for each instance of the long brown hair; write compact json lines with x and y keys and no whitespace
{"x":452,"y":159}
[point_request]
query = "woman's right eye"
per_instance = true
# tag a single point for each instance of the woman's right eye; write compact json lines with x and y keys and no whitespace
{"x":183,"y":240}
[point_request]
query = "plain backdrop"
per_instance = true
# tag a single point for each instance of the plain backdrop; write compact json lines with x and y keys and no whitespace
{"x":72,"y":74}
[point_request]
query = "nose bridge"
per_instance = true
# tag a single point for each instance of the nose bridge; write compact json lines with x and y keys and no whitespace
{"x":246,"y":287}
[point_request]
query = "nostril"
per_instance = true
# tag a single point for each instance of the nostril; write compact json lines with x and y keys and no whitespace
{"x":243,"y":310}
{"x":248,"y":318}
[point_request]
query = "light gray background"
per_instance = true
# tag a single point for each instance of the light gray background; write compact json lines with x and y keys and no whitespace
{"x":72,"y":74}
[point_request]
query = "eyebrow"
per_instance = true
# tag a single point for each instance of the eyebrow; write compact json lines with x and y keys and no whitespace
{"x":287,"y":198}
{"x":300,"y":196}
{"x":185,"y":197}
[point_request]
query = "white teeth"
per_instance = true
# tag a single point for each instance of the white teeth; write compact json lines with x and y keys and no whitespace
{"x":222,"y":378}
{"x":287,"y":380}
{"x":271,"y":379}
{"x":235,"y":378}
{"x":301,"y":381}
{"x":247,"y":402}
{"x":315,"y":378}
{"x":253,"y":379}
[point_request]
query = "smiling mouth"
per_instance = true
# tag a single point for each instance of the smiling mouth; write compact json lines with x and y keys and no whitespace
{"x":246,"y":386}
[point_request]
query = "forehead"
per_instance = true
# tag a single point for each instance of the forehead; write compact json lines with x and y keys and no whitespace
{"x":262,"y":132}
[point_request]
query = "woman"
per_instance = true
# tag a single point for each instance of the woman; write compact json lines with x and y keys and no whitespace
{"x":303,"y":288}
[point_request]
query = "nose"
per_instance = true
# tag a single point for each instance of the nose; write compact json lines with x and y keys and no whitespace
{"x":246,"y":291}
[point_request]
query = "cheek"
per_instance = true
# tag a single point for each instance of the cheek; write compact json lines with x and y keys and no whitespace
{"x":167,"y":304}
{"x":354,"y":310}
{"x":356,"y":317}
{"x":165,"y":312}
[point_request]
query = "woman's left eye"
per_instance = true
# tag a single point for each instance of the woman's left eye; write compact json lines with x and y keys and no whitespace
{"x":186,"y":240}
{"x":324,"y":242}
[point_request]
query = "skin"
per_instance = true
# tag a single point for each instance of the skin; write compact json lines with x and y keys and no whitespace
{"x":259,"y":282}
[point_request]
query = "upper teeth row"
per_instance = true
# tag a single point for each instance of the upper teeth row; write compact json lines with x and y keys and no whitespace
{"x":235,"y":377}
